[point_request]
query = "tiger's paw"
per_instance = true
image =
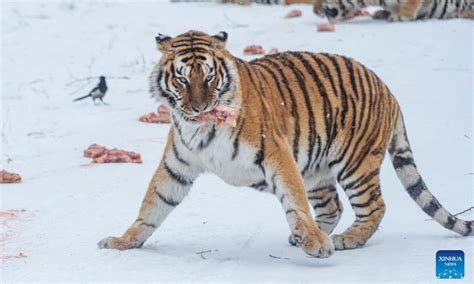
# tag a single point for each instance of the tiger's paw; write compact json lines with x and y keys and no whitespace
{"x":294,"y":240}
{"x":381,"y":15}
{"x":119,"y":243}
{"x":346,"y":241}
{"x":398,"y":18}
{"x":319,"y":249}
{"x":313,"y":241}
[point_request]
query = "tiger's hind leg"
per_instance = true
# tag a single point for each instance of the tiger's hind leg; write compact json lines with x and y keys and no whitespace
{"x":363,"y":191}
{"x":328,"y":208}
{"x":407,"y":11}
{"x":288,"y":185}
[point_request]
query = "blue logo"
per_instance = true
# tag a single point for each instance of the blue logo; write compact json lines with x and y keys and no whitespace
{"x":450,"y":264}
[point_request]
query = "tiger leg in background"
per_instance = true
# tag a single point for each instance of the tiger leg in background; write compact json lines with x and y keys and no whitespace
{"x":328,"y":208}
{"x":166,"y":190}
{"x":289,"y":188}
{"x":407,"y":11}
{"x":363,"y":190}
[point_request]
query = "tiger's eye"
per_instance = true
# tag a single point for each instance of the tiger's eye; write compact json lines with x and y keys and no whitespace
{"x":209,"y":78}
{"x":181,"y":80}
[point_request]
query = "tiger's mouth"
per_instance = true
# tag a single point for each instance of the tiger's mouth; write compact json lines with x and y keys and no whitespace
{"x":204,"y":116}
{"x":220,"y":115}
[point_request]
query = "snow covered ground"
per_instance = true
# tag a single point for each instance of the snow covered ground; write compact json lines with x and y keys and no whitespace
{"x":68,"y":208}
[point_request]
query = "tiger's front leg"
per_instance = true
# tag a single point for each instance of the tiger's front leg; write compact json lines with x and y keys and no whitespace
{"x":288,"y":186}
{"x":168,"y":187}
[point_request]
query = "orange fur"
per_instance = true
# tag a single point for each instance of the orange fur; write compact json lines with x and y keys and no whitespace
{"x":405,"y":10}
{"x":307,"y":120}
{"x":408,"y":10}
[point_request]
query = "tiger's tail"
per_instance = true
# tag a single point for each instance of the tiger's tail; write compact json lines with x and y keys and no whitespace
{"x":404,"y":164}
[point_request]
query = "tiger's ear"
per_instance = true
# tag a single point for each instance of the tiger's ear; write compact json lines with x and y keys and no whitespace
{"x":221,"y":39}
{"x":163,"y":42}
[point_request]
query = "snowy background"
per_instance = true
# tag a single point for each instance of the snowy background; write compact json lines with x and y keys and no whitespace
{"x":64,"y":208}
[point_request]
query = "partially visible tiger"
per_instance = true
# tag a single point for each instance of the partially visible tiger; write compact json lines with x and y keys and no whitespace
{"x":248,"y":2}
{"x":305,"y":122}
{"x":397,"y":10}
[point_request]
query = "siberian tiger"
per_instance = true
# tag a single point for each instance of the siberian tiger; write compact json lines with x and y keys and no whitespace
{"x":397,"y":10}
{"x":306,"y":121}
{"x":248,"y":2}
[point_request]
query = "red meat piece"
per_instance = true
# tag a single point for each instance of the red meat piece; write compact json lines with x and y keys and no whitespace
{"x":101,"y":155}
{"x":6,"y":177}
{"x":326,"y":27}
{"x":162,"y":115}
{"x":254,"y":50}
{"x":220,"y":116}
{"x":294,"y":14}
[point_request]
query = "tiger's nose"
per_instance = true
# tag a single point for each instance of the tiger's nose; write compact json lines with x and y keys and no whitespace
{"x":331,"y":12}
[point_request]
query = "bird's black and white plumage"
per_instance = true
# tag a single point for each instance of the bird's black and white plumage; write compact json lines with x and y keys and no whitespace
{"x":97,"y":92}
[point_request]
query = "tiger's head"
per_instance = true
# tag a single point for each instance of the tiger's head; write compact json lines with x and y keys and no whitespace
{"x":195,"y":74}
{"x":334,"y":10}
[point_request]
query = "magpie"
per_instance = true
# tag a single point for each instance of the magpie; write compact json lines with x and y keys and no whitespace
{"x":98,"y":92}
